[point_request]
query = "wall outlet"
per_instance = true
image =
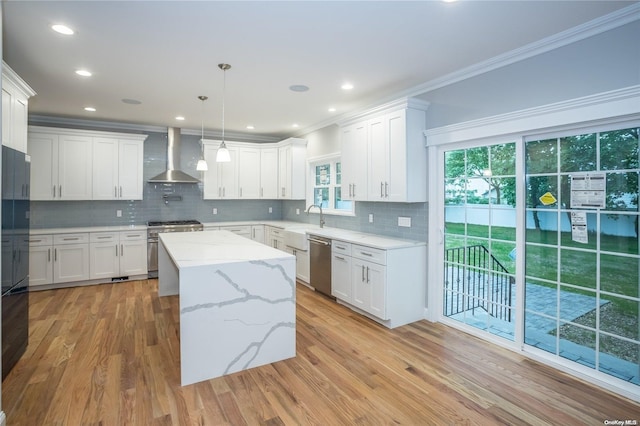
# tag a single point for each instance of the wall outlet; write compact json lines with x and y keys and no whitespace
{"x":297,"y":211}
{"x":270,"y":209}
{"x":118,"y":213}
{"x":404,"y":221}
{"x":370,"y":217}
{"x":215,"y":211}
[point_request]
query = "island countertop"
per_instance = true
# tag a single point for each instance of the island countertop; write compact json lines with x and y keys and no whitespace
{"x":237,"y":301}
{"x":216,"y":247}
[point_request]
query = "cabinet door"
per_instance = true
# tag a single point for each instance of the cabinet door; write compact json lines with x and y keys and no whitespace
{"x":105,"y":169}
{"x":284,"y":172}
{"x":7,"y":100}
{"x":43,"y":149}
{"x":376,"y":281}
{"x":361,"y":294}
{"x":397,"y":179}
{"x":211,"y":185}
{"x":103,"y":260}
{"x":19,"y":122}
{"x":249,"y":173}
{"x":354,"y":162}
{"x":341,"y":277}
{"x":130,"y":168}
{"x":302,"y":265}
{"x":269,"y":173}
{"x":40,"y":265}
{"x":70,"y":263}
{"x":378,"y":159}
{"x":75,"y":167}
{"x":257,"y":233}
{"x":229,"y":175}
{"x":133,"y":257}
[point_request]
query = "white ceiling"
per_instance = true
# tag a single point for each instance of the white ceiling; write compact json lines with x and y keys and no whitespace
{"x":165,"y":54}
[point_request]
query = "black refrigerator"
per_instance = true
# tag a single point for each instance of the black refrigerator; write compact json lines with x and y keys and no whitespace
{"x":15,"y":256}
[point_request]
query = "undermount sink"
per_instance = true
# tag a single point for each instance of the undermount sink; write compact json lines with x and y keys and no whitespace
{"x":296,"y":238}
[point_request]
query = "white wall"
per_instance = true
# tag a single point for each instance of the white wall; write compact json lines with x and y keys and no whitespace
{"x":323,"y":141}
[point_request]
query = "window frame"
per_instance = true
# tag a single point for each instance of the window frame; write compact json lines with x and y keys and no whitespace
{"x":331,"y":159}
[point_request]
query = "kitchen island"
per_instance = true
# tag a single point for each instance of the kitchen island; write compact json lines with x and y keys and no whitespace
{"x":237,"y":301}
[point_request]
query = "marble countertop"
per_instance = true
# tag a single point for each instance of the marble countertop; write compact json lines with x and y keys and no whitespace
{"x":75,"y":230}
{"x":189,"y":249}
{"x":369,"y":240}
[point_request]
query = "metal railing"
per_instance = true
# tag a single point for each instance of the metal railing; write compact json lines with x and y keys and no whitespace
{"x":475,"y":279}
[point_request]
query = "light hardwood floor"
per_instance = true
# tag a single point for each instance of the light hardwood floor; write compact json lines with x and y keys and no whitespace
{"x":109,"y":355}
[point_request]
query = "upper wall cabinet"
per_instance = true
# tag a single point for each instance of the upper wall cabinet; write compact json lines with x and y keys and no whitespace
{"x":70,"y":164}
{"x":383,"y":154}
{"x":256,"y":171}
{"x":15,"y":106}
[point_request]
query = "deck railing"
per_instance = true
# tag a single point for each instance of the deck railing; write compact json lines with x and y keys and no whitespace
{"x":475,"y":279}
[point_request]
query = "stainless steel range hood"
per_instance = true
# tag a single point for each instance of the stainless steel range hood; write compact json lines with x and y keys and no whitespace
{"x":173,"y":174}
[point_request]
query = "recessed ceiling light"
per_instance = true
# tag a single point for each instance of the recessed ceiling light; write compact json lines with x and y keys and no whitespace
{"x":298,"y":88}
{"x":250,"y":127}
{"x":295,"y":125}
{"x":90,"y":109}
{"x":84,"y":73}
{"x":131,"y":101}
{"x":332,"y":109}
{"x":180,"y":118}
{"x":62,"y":29}
{"x":347,"y":86}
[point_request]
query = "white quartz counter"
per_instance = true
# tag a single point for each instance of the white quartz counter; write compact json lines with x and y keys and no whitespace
{"x":370,"y":240}
{"x":237,"y":301}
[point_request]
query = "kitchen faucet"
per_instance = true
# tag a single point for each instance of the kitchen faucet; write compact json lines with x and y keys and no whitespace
{"x":321,"y":215}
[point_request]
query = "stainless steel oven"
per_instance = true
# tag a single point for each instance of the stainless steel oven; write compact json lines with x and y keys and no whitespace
{"x":157,"y":227}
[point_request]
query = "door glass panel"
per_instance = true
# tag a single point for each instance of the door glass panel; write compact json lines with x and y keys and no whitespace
{"x":480,"y":215}
{"x":582,"y":268}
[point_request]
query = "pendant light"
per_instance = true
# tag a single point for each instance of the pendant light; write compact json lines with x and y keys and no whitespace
{"x":202,"y":163}
{"x":223,"y":155}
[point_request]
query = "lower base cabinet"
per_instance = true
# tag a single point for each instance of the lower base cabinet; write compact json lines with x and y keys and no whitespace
{"x":117,"y":254}
{"x":388,"y":286}
{"x":302,"y":263}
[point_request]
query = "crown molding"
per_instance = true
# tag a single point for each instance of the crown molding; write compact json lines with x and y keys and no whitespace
{"x":623,"y":103}
{"x":17,"y":81}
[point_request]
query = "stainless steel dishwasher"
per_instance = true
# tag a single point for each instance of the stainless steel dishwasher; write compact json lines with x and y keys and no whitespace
{"x":320,"y":264}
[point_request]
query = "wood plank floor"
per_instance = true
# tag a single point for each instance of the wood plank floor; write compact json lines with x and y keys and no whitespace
{"x":109,"y":355}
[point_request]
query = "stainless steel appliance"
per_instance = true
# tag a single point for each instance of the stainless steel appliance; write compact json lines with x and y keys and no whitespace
{"x":15,"y":256}
{"x":157,"y":227}
{"x":320,"y":264}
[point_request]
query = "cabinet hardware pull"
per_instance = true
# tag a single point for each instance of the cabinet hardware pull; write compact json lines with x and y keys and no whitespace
{"x":224,"y":191}
{"x":70,"y":239}
{"x":34,"y":241}
{"x":364,"y":253}
{"x":121,"y":250}
{"x":48,"y":255}
{"x":362,"y":272}
{"x":115,"y":191}
{"x":367,"y":274}
{"x":386,"y":189}
{"x":120,"y":192}
{"x":60,"y":191}
{"x":339,"y":257}
{"x":55,"y":255}
{"x":116,"y":250}
{"x":350,"y":189}
{"x":103,"y":238}
{"x":381,"y":190}
{"x":132,"y":236}
{"x":354,"y":190}
{"x":54,"y":191}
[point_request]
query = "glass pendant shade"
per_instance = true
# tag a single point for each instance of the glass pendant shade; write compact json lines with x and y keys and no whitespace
{"x":202,"y":166}
{"x":223,"y":156}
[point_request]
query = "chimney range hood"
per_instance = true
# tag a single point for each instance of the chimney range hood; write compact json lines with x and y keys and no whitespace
{"x":173,"y":174}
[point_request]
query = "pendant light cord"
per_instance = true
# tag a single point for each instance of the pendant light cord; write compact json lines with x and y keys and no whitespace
{"x":224,"y":94}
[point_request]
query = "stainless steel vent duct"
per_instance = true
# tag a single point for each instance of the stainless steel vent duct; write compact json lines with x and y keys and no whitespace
{"x":173,"y":174}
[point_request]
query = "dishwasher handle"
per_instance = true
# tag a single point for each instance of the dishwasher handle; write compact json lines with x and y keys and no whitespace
{"x":323,"y":242}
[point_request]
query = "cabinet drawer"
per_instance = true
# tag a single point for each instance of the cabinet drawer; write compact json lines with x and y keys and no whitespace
{"x":103,"y":237}
{"x":244,"y":230}
{"x":40,"y":240}
{"x":370,"y":254}
{"x":71,"y":238}
{"x":133,"y":235}
{"x":277,"y":233}
{"x":341,"y":247}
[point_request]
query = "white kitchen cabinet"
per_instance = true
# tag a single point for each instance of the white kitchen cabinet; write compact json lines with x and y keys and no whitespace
{"x":71,"y":164}
{"x":117,"y":169}
{"x":249,"y":173}
{"x":257,"y":233}
{"x":70,"y":257}
{"x":354,"y":158}
{"x":385,"y":285}
{"x":341,"y":287}
{"x":390,"y":145}
{"x":302,"y":263}
{"x":292,"y":157}
{"x":40,"y":260}
{"x":117,"y":254}
{"x":275,"y":237}
{"x":15,"y":108}
{"x":220,"y":181}
{"x":269,"y":173}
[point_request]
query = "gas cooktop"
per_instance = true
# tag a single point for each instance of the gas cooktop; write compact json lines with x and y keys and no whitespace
{"x":173,"y":222}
